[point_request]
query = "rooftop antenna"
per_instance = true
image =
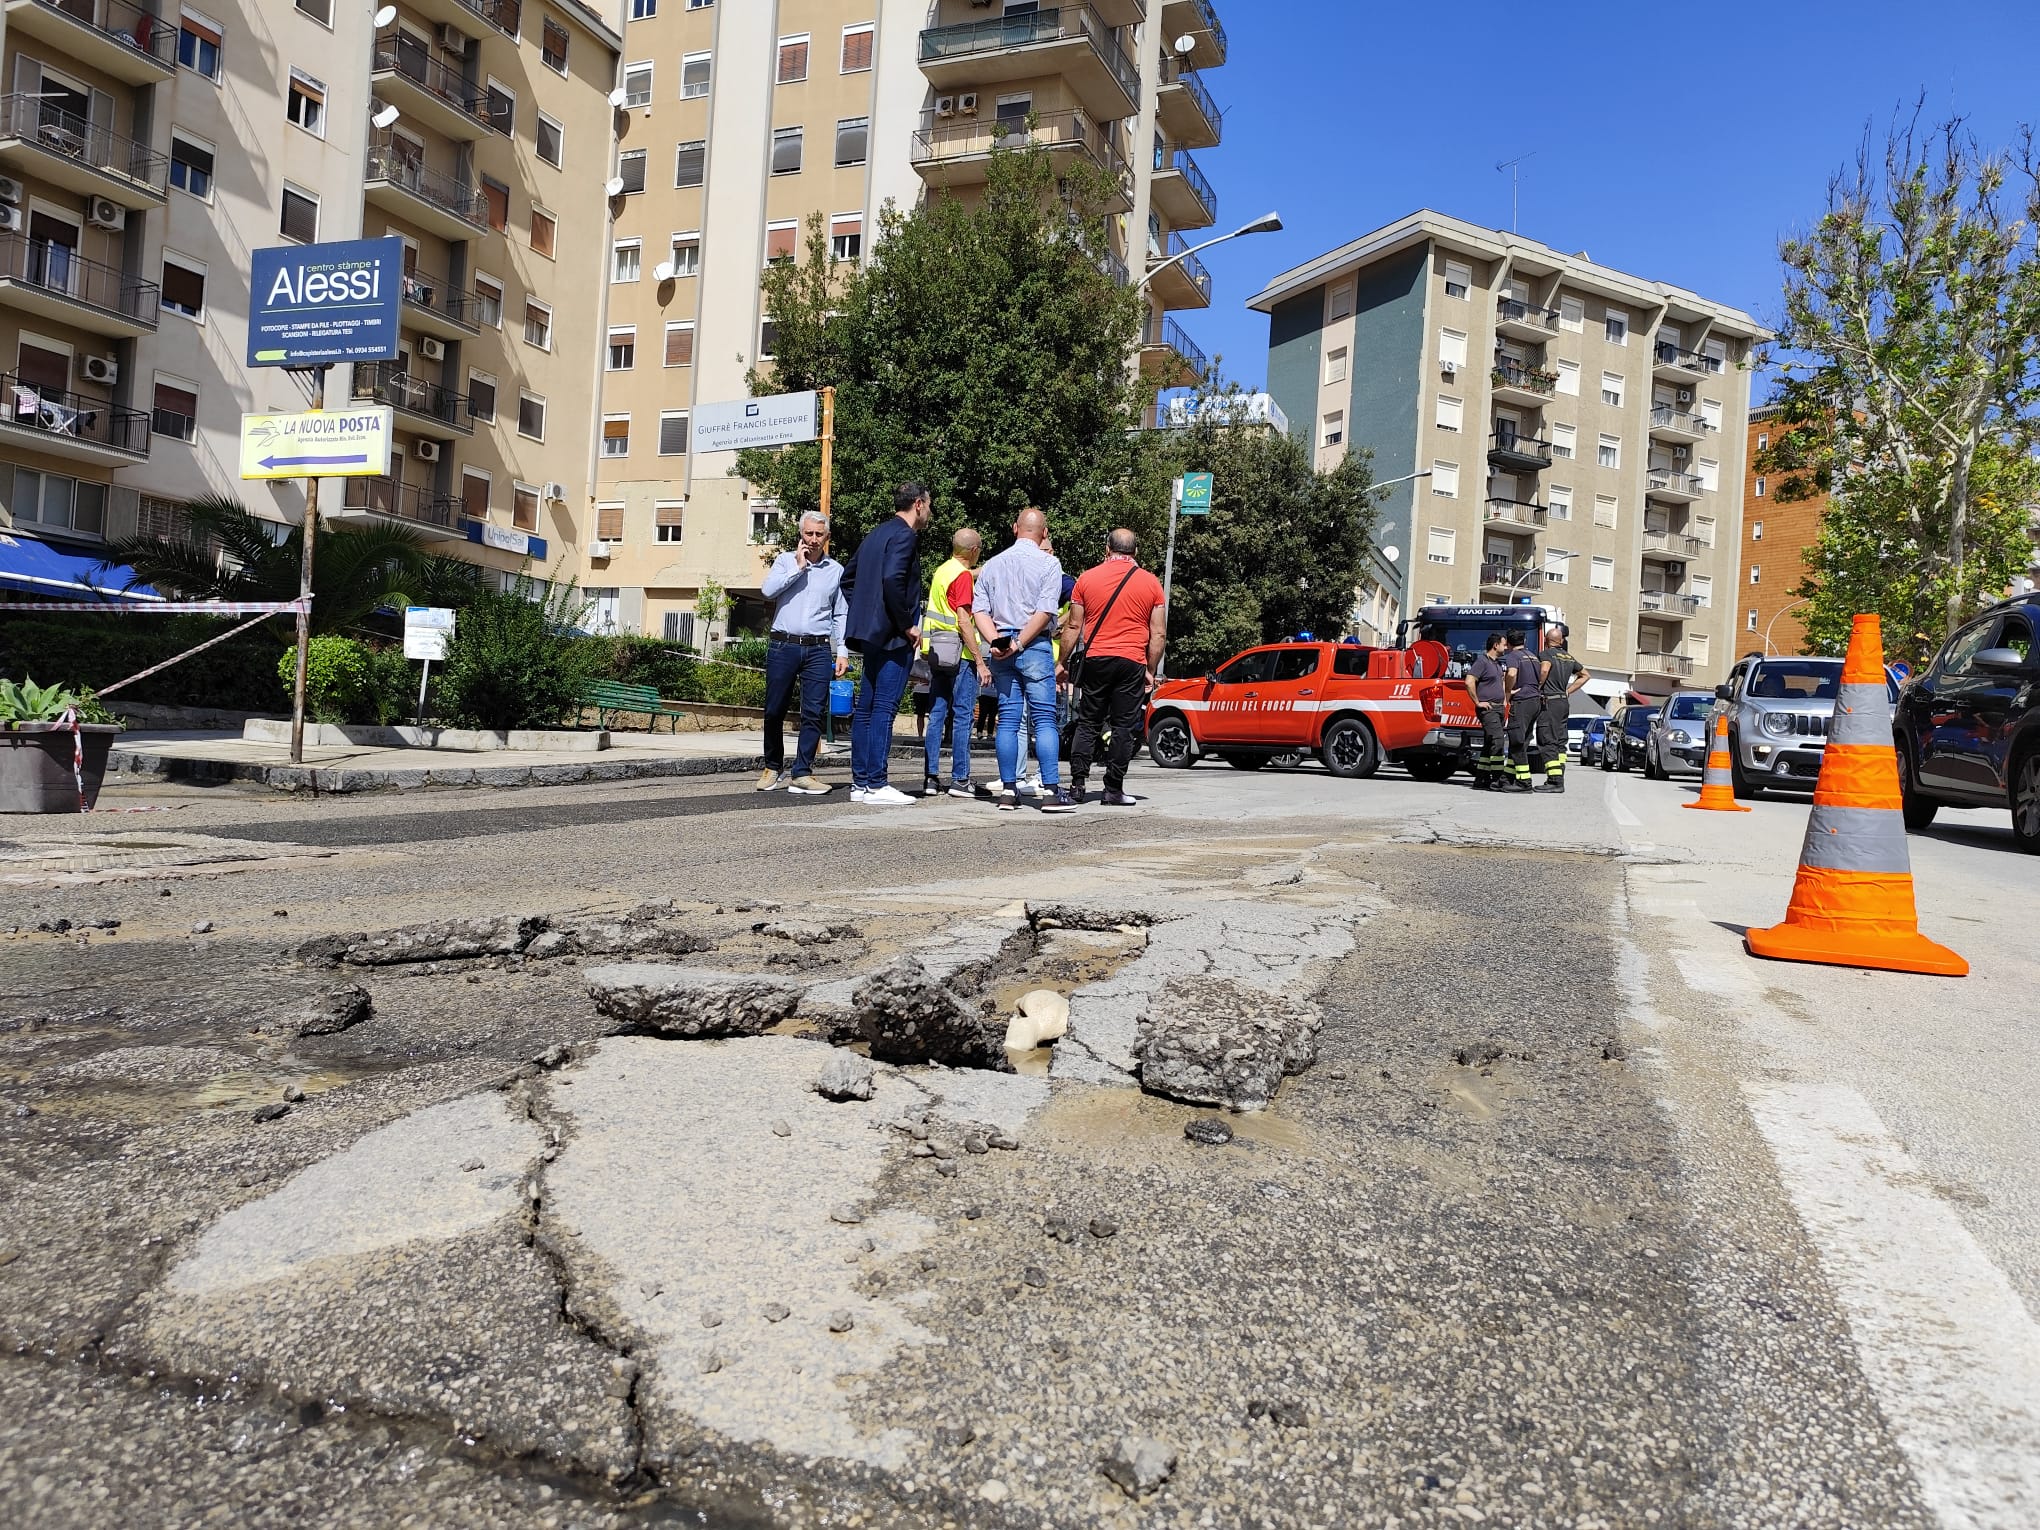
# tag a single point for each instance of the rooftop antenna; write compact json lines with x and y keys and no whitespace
{"x":1514,"y":167}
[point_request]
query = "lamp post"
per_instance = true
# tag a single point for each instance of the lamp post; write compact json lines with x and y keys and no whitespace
{"x":1268,"y":223}
{"x":1774,"y":622}
{"x":1540,"y":568}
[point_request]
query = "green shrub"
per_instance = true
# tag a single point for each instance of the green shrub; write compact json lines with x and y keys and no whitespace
{"x":745,"y":650}
{"x":509,"y":665}
{"x":29,"y":702}
{"x":91,"y":652}
{"x":392,"y":683}
{"x":336,"y":679}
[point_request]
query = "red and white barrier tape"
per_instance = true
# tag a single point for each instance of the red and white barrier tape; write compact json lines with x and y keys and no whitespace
{"x":162,"y":607}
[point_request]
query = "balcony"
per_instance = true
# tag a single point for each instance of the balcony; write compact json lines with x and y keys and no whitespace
{"x":429,"y":408}
{"x":1186,"y":284}
{"x":1199,"y":21}
{"x":1674,"y":664}
{"x":414,"y":505}
{"x":1672,"y":363}
{"x":79,"y":155}
{"x":432,"y":200}
{"x":506,"y":16}
{"x":424,"y":89}
{"x":1181,"y":193}
{"x":60,"y":423}
{"x":1069,"y":40}
{"x":1168,"y":357}
{"x":1524,"y":321}
{"x":1673,"y":545}
{"x":1672,"y":485}
{"x":1668,"y":603}
{"x":115,"y":37}
{"x":1669,"y":423}
{"x":53,"y":281}
{"x":1510,"y":578}
{"x":1520,"y":515}
{"x":438,"y":309}
{"x":956,"y":154}
{"x":1515,"y":383}
{"x":1513,"y":452}
{"x":1185,"y":108}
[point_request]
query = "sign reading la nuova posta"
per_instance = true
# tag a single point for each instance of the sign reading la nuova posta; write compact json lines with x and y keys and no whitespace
{"x":316,"y":305}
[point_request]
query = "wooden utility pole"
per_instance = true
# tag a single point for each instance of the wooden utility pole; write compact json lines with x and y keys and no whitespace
{"x":304,"y":616}
{"x":828,"y":442}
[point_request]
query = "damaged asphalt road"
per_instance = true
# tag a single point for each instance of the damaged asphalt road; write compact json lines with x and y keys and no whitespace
{"x":508,"y":1260}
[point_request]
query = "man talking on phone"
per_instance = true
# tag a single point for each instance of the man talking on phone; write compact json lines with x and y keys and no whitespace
{"x":1014,"y":606}
{"x":806,"y":589}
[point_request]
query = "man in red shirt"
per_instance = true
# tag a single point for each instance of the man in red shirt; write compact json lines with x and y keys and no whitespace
{"x":1118,"y":625}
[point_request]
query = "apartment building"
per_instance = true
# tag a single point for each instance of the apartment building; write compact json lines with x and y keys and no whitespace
{"x":739,"y":121}
{"x":1775,"y":540}
{"x":148,"y":149}
{"x":1581,"y":432}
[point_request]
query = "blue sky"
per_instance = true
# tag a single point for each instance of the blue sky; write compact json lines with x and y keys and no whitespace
{"x":1677,"y":141}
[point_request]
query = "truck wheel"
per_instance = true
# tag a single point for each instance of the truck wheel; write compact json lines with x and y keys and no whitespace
{"x":1246,"y":761}
{"x":1170,"y":745}
{"x":1287,"y":759}
{"x":1349,"y":749}
{"x":1919,"y":811}
{"x":1430,"y":767}
{"x":1746,"y":790}
{"x":2026,"y":802}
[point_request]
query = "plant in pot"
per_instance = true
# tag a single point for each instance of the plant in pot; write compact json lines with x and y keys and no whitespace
{"x":37,"y":748}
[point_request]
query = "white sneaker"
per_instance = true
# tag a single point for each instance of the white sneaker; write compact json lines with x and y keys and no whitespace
{"x":887,"y":796}
{"x":858,"y":794}
{"x":1029,"y":786}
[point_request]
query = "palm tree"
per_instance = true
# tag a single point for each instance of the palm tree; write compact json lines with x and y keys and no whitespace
{"x":227,"y":553}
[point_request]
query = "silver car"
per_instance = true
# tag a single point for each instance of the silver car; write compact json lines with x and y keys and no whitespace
{"x":1678,"y":738}
{"x":1779,"y":710}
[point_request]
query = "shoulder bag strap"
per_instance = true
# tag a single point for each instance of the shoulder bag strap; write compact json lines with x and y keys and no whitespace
{"x":1083,"y":652}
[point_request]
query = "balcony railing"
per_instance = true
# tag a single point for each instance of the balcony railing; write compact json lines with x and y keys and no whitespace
{"x":1515,"y":512}
{"x":133,"y":26}
{"x":28,"y":405}
{"x":59,"y":269}
{"x":935,"y":142}
{"x":1174,"y":72}
{"x":1513,"y":374}
{"x":1049,"y":24}
{"x":429,"y":292}
{"x":1671,"y":481}
{"x":506,"y":16}
{"x":1114,"y":267}
{"x":1166,"y":331}
{"x":1667,"y":603}
{"x":1667,"y":417}
{"x":1666,"y":354}
{"x":1176,"y":159}
{"x":1513,"y":444}
{"x":1664,"y":664}
{"x":1510,"y":310}
{"x":1675,"y":542}
{"x":1511,"y":576}
{"x":40,"y":122}
{"x":1189,"y":265}
{"x":383,"y":383}
{"x":1209,"y":17}
{"x":416,"y":64}
{"x":406,"y":501}
{"x":386,"y":162}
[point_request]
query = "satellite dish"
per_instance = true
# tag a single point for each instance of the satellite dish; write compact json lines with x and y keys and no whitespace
{"x":384,"y":15}
{"x":385,"y":116}
{"x":1185,"y":43}
{"x":663,"y":272}
{"x":614,"y":187}
{"x":1391,"y":553}
{"x":616,"y":98}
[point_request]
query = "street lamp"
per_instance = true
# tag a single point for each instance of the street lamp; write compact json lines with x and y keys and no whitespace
{"x":1541,"y":568}
{"x":1268,"y":223}
{"x":1774,"y":622}
{"x":1389,"y":483}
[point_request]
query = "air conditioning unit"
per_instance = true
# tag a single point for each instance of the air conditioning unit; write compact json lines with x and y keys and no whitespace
{"x":1449,"y":368}
{"x":10,"y":189}
{"x":1675,"y":571}
{"x":104,"y":212}
{"x":1685,"y":395}
{"x":453,"y":40}
{"x":1678,"y":454}
{"x":431,"y":349}
{"x":945,"y":106}
{"x":556,"y":492}
{"x":966,"y":103}
{"x":100,"y":369}
{"x":598,"y":549}
{"x":12,"y":219}
{"x":425,"y":451}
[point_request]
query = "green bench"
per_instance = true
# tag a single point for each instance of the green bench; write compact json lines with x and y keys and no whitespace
{"x":610,"y":698}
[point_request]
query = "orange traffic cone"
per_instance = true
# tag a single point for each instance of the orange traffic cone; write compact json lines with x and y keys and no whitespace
{"x":1853,"y":903}
{"x":1717,"y":783}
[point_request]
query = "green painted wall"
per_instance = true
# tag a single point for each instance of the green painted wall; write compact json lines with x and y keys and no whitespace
{"x":1388,"y":350}
{"x":1295,"y":342}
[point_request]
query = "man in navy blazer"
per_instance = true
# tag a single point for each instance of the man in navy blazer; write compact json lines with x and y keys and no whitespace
{"x":884,"y":625}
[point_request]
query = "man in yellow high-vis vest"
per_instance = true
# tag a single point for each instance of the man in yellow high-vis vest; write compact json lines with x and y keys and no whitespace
{"x":957,"y":669}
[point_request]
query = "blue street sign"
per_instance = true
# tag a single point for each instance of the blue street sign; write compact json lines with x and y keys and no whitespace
{"x":315,"y":305}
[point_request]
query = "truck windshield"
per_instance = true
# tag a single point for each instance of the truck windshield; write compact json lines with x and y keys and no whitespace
{"x":1785,"y":679}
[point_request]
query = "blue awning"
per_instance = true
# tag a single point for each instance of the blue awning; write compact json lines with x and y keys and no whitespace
{"x":40,"y":569}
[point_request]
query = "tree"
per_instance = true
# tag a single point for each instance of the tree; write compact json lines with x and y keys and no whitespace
{"x":1913,"y":310}
{"x":982,"y":352}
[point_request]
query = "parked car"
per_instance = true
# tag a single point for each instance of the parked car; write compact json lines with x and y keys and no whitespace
{"x":1779,"y":710}
{"x":1968,"y":728}
{"x":1628,"y":731}
{"x":1593,"y":739}
{"x":1677,"y":741}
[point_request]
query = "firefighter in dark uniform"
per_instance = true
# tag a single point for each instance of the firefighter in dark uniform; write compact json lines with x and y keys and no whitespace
{"x":1563,"y":675}
{"x":1525,"y":705}
{"x":1488,"y":688}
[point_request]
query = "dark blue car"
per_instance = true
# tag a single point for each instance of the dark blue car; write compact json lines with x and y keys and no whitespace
{"x":1969,"y":726}
{"x":1628,"y":731}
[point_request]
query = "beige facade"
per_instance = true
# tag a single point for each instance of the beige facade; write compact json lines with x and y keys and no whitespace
{"x":740,"y":121}
{"x":1583,"y":432}
{"x":220,"y":128}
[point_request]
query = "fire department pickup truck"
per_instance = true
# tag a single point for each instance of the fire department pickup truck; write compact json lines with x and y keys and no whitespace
{"x":1353,"y":706}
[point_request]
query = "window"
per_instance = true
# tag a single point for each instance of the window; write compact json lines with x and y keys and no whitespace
{"x":668,"y":517}
{"x":786,"y":150}
{"x":851,"y":136}
{"x":1601,"y":576}
{"x":1696,"y":649}
{"x":496,"y":202}
{"x":680,"y":344}
{"x":1339,"y":301}
{"x":764,"y":524}
{"x":51,"y":499}
{"x":779,"y":242}
{"x":531,"y":416}
{"x":191,"y":166}
{"x":686,"y":254}
{"x":637,"y":85}
{"x":320,"y":11}
{"x":1610,"y":454}
{"x":1563,"y":440}
{"x":300,"y":215}
{"x":616,"y":435}
{"x":183,"y":286}
{"x":1458,"y":277}
{"x":1568,"y":378}
{"x":609,"y":523}
{"x":856,"y":49}
{"x":1599,"y":630}
{"x":474,"y":494}
{"x":481,"y":396}
{"x":1710,"y":475}
{"x":694,"y":75}
{"x":690,"y":162}
{"x":792,"y":60}
{"x":1615,"y":324}
{"x":1013,"y":111}
{"x":623,"y":348}
{"x":1431,"y":599}
{"x":537,"y":324}
{"x":1451,"y":348}
{"x":198,"y":44}
{"x":1703,"y":589}
{"x":768,"y":338}
{"x":489,"y":301}
{"x":552,"y":46}
{"x":1710,"y":414}
{"x":643,"y":10}
{"x":1438,"y":543}
{"x":1335,"y":365}
{"x":626,"y":259}
{"x":1451,"y":412}
{"x":1756,"y":530}
{"x":672,"y":432}
{"x":1763,"y":441}
{"x":1703,"y":528}
{"x":1555,"y":560}
{"x":1714,"y":354}
{"x":176,"y":410}
{"x":1572,"y":315}
{"x":1750,"y":620}
{"x":524,"y":506}
{"x":1558,"y":500}
{"x":551,"y":141}
{"x":846,"y":236}
{"x":544,"y":232}
{"x":1445,"y":479}
{"x":502,"y":109}
{"x":1611,"y":389}
{"x":1759,"y":493}
{"x":1606,"y":510}
{"x":1335,"y":428}
{"x":1756,"y":573}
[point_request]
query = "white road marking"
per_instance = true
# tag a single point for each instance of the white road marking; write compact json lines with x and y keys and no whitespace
{"x":1623,"y":817}
{"x":1946,"y":1344}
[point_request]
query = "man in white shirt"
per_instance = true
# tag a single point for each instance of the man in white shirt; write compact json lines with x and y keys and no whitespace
{"x":806,"y":588}
{"x":1017,"y":596}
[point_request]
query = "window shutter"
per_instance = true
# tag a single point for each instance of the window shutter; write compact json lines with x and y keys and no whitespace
{"x":668,"y":515}
{"x":609,"y":523}
{"x":497,"y":195}
{"x":474,"y":496}
{"x":680,"y":345}
{"x":183,"y":287}
{"x":779,"y":242}
{"x":792,"y":61}
{"x":856,"y":50}
{"x":673,"y":434}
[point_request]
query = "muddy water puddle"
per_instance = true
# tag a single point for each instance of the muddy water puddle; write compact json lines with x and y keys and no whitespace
{"x":1092,"y":1119}
{"x":1063,"y":961}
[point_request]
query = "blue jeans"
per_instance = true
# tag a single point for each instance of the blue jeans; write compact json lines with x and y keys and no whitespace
{"x":878,"y":703}
{"x":787,"y":666}
{"x":952,"y":703}
{"x":1026,"y":681}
